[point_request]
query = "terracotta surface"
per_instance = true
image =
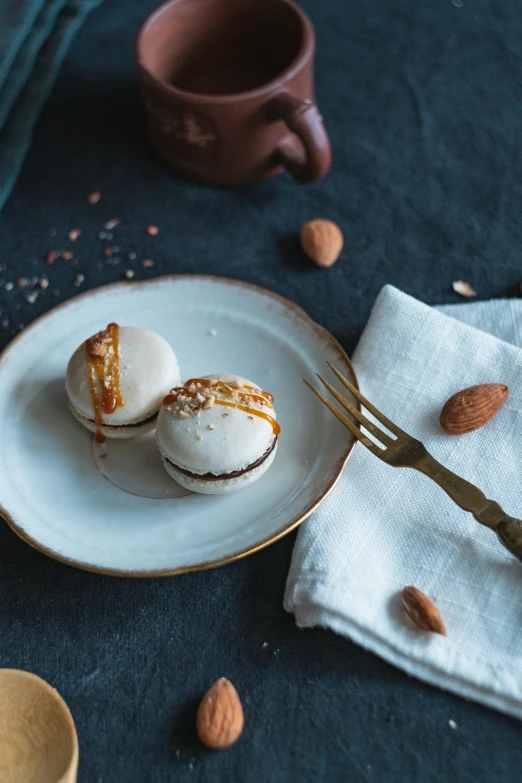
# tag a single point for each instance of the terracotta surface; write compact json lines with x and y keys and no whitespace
{"x":228,"y":89}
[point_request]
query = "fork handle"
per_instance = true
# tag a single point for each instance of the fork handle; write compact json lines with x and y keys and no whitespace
{"x":470,"y":498}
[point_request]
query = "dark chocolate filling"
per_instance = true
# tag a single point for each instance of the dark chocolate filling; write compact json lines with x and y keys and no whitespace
{"x":124,"y":426}
{"x":234,"y":474}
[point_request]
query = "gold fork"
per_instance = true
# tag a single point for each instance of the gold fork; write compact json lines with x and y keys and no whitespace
{"x":404,"y":451}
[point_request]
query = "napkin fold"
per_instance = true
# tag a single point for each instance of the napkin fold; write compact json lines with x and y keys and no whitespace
{"x":383,"y":528}
{"x":34,"y":38}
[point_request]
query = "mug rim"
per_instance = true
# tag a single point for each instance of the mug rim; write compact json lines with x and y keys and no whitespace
{"x":305,"y":52}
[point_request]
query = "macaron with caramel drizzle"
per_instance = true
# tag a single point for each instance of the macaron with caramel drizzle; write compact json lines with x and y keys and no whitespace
{"x":116,"y":381}
{"x":217,"y":434}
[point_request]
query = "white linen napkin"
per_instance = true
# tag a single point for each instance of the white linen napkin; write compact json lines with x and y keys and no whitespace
{"x":383,"y":528}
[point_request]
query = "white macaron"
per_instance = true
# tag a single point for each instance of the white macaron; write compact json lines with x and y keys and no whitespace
{"x":116,"y":381}
{"x":217,"y":434}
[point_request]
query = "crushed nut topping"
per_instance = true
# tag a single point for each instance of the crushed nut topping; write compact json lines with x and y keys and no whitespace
{"x":98,"y":349}
{"x":201,"y":394}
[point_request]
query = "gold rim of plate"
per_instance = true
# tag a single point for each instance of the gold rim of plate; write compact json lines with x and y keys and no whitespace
{"x":292,"y":524}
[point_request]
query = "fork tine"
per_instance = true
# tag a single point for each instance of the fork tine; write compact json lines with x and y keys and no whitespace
{"x":367,"y":404}
{"x":348,"y":423}
{"x":370,"y":426}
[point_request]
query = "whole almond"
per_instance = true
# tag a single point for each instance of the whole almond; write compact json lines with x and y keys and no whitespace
{"x":322,"y":241}
{"x":422,"y":611}
{"x":470,"y":409}
{"x":220,"y":720}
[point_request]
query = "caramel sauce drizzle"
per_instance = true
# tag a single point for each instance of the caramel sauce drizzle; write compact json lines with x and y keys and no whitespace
{"x":276,"y":429}
{"x":257,"y":395}
{"x":261,"y":396}
{"x":103,"y":364}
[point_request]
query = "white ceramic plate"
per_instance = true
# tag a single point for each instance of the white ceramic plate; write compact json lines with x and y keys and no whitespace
{"x":114,"y":509}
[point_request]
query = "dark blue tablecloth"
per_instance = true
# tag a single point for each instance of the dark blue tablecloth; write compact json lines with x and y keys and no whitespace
{"x":423,"y":105}
{"x":34,"y":38}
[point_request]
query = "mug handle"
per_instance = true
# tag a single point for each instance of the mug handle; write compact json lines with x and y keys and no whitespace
{"x":302,"y":118}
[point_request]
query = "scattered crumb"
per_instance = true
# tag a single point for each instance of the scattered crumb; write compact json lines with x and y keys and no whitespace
{"x":212,"y":332}
{"x":31,"y":298}
{"x":463,"y":288}
{"x":152,"y":230}
{"x":94,"y":197}
{"x":211,"y":427}
{"x":129,"y":273}
{"x":103,"y":456}
{"x":183,"y":415}
{"x":132,"y":256}
{"x":265,"y":645}
{"x":251,"y":417}
{"x":74,"y":234}
{"x":110,"y":224}
{"x":146,"y":262}
{"x":107,"y":251}
{"x":66,"y":255}
{"x":22,"y":281}
{"x":102,"y":235}
{"x":199,"y":437}
{"x":452,"y":724}
{"x":44,"y":283}
{"x":79,"y":280}
{"x":224,"y":415}
{"x":9,"y":286}
{"x":51,"y":257}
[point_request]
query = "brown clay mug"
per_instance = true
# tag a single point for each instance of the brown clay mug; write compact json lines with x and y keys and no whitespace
{"x":228,"y":86}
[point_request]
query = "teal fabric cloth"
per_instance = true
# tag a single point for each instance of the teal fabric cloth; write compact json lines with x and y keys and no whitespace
{"x":34,"y":38}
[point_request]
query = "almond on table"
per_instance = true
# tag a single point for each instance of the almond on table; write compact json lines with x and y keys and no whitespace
{"x":322,"y":241}
{"x":422,"y":611}
{"x":220,"y":719}
{"x":471,"y":408}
